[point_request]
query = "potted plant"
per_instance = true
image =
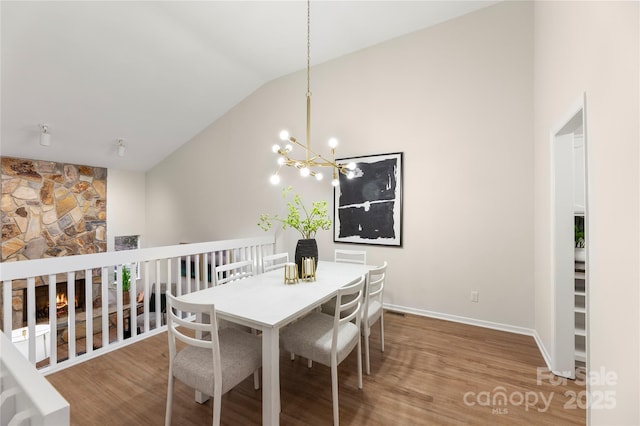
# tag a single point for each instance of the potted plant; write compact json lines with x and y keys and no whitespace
{"x":126,"y":279}
{"x":579,"y":251}
{"x":306,"y":221}
{"x":126,"y":284}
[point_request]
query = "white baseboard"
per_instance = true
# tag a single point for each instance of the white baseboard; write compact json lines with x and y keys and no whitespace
{"x":463,"y":320}
{"x":478,"y":323}
{"x":542,"y":349}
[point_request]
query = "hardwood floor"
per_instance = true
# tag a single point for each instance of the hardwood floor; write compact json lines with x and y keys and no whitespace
{"x":432,"y":372}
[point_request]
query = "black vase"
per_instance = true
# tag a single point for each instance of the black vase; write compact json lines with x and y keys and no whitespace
{"x":306,"y":248}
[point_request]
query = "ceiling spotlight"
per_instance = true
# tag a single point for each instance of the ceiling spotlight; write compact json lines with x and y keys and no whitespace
{"x":121,"y":147}
{"x":45,"y":136}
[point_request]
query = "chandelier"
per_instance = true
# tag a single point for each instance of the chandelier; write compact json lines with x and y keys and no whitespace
{"x":312,"y":159}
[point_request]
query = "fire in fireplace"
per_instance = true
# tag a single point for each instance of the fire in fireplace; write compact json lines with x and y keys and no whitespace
{"x":62,"y":300}
{"x":62,"y":305}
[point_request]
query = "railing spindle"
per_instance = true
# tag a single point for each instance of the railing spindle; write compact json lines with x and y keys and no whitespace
{"x":146,"y":297}
{"x":88,"y":309}
{"x":158,"y":291}
{"x":119,"y":305}
{"x":7,"y":290}
{"x":71,"y":313}
{"x":104,"y":306}
{"x":31,"y":317}
{"x":133,"y":302}
{"x":53,"y":320}
{"x":178,"y":277}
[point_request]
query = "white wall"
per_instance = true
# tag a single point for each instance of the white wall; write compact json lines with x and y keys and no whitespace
{"x":125,"y":204}
{"x":456,"y":99}
{"x":593,"y":47}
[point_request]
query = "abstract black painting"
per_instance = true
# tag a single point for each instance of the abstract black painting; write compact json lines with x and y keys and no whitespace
{"x":368,"y":207}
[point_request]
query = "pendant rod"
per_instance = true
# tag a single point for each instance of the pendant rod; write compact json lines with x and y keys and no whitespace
{"x":308,"y":78}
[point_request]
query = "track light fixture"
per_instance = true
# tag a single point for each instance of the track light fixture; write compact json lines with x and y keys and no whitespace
{"x":45,"y":136}
{"x":121,"y":147}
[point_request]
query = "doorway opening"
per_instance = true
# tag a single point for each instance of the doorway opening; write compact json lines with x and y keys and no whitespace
{"x":570,"y":243}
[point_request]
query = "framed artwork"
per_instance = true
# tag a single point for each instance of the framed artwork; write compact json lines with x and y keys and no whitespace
{"x":368,"y":207}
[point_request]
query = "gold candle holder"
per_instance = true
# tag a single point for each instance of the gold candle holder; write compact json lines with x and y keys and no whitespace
{"x":290,"y":273}
{"x":308,"y":269}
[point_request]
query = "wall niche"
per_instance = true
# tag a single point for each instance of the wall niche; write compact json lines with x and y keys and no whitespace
{"x":52,"y":209}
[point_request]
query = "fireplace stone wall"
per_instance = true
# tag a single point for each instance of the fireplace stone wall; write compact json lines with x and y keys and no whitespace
{"x":50,"y":209}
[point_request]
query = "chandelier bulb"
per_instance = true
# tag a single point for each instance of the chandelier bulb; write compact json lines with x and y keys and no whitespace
{"x":275,"y":148}
{"x":350,"y":175}
{"x":351,"y":166}
{"x":288,"y":148}
{"x":318,"y":176}
{"x":281,"y":161}
{"x":333,"y":142}
{"x":284,"y":135}
{"x":274,"y":179}
{"x":304,"y":171}
{"x":335,"y":182}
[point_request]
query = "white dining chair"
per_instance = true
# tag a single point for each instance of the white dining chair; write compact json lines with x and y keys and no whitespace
{"x":329,"y":339}
{"x":213,"y":362}
{"x":372,"y":310}
{"x":233,"y":271}
{"x":274,"y":261}
{"x":350,"y":256}
{"x":228,"y":273}
{"x":344,"y":256}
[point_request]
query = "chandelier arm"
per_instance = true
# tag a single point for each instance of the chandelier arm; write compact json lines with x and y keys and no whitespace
{"x":294,"y":140}
{"x":325,"y":163}
{"x":312,"y":162}
{"x":341,"y":168}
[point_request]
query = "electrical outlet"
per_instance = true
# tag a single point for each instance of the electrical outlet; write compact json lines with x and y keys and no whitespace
{"x":474,"y":296}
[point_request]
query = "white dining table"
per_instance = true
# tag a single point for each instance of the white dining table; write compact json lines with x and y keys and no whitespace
{"x":264,"y":302}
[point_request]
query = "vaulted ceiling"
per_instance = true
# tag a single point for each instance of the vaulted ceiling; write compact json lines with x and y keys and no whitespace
{"x":156,"y":73}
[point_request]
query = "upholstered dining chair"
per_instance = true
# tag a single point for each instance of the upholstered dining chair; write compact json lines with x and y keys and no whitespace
{"x":274,"y":261}
{"x":329,"y":339}
{"x":233,"y":271}
{"x":213,"y":362}
{"x":350,"y":256}
{"x":372,"y":310}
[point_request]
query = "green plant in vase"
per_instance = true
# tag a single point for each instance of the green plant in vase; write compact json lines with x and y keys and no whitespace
{"x":307,"y":221}
{"x":578,"y":237}
{"x":579,"y":241}
{"x":311,"y":220}
{"x":126,"y":279}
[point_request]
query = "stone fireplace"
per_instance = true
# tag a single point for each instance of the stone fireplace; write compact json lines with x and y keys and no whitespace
{"x":62,"y":301}
{"x":50,"y":209}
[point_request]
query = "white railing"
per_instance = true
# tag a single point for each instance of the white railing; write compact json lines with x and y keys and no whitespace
{"x":26,"y":397}
{"x":187,"y":267}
